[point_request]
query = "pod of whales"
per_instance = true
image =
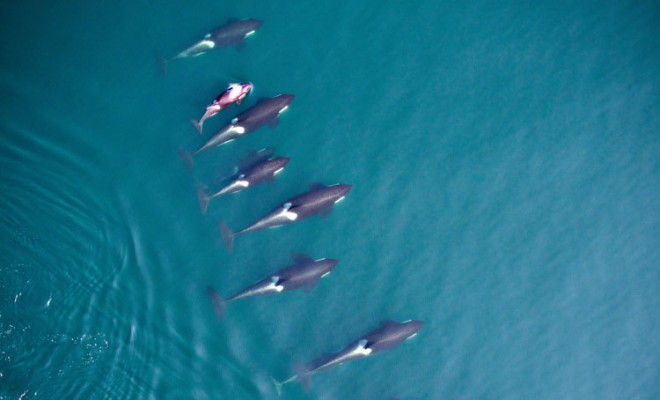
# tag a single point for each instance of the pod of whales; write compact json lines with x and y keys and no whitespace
{"x":266,"y":111}
{"x":259,"y":167}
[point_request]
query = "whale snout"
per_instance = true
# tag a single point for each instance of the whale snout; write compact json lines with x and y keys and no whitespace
{"x":286,"y":99}
{"x":415,"y":326}
{"x":281,"y":162}
{"x":344,"y":188}
{"x":331,"y":262}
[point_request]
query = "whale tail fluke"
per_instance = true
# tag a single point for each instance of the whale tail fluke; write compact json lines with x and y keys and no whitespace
{"x":227,"y":236}
{"x":198,"y":125}
{"x":217,"y":301}
{"x":278,"y":385}
{"x":186,"y":157}
{"x":203,"y":198}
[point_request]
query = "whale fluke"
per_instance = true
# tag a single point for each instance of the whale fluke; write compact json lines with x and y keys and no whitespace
{"x":198,"y":125}
{"x":203,"y":198}
{"x":278,"y":386}
{"x":217,"y":301}
{"x":227,"y":236}
{"x":303,"y":374}
{"x":186,"y":157}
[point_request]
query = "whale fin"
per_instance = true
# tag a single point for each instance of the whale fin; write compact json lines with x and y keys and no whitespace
{"x":240,"y":44}
{"x":325,"y":212}
{"x":227,"y":236}
{"x":273,"y":123}
{"x":278,"y":386}
{"x":198,"y":125}
{"x":186,"y":157}
{"x":303,"y":374}
{"x":311,"y":285}
{"x":387,"y":323}
{"x":217,"y":301}
{"x":202,"y":197}
{"x":301,"y":258}
{"x":315,"y":185}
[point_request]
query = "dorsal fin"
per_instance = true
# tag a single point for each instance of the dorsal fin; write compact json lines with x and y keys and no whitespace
{"x":326,"y":211}
{"x":316,"y":185}
{"x":301,"y":258}
{"x":387,"y":323}
{"x":309,"y":286}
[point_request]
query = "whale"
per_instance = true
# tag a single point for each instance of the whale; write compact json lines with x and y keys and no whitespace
{"x":387,"y":336}
{"x":265,"y":171}
{"x":305,"y":274}
{"x":319,"y":199}
{"x":235,"y":93}
{"x":265,"y":111}
{"x":253,"y":158}
{"x":232,"y":33}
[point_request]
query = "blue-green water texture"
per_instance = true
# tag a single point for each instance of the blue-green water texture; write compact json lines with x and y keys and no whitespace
{"x":505,"y":163}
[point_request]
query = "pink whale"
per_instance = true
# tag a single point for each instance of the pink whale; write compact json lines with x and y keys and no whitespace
{"x":233,"y":94}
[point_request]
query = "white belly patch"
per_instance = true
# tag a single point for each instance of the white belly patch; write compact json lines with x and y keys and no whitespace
{"x":290,"y":215}
{"x":208,"y":43}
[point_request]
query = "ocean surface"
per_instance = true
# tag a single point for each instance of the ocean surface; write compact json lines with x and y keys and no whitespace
{"x":505,"y":163}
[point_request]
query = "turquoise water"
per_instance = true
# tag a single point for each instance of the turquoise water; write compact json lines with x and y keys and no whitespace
{"x":505,"y":163}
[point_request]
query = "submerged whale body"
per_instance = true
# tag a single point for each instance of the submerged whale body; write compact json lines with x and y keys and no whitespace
{"x":233,"y":94}
{"x":388,"y":335}
{"x":264,"y":171}
{"x":318,"y":200}
{"x":232,"y":33}
{"x":265,"y":111}
{"x":305,"y":273}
